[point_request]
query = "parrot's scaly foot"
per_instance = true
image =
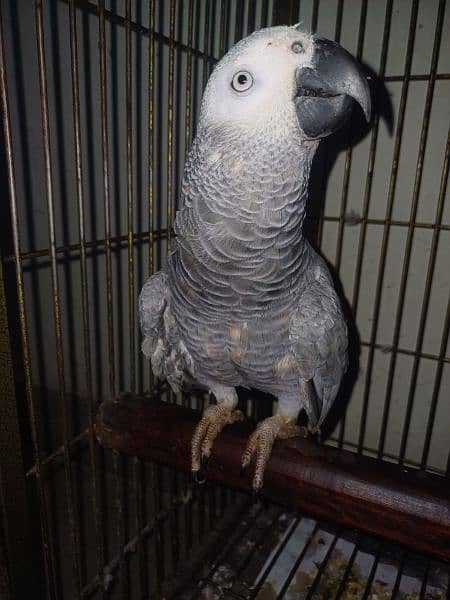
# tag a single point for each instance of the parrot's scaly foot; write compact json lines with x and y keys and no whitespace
{"x":261,"y":442}
{"x":214,"y":419}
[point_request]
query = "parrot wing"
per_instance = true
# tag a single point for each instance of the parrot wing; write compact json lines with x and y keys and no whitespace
{"x":318,"y":335}
{"x":152,"y":305}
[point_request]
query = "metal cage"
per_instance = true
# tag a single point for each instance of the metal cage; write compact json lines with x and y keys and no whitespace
{"x":99,"y":104}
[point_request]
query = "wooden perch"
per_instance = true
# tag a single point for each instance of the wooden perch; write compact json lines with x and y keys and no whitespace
{"x":403,"y":505}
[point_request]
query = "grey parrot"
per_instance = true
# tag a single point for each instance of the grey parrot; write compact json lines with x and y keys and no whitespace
{"x":244,"y":300}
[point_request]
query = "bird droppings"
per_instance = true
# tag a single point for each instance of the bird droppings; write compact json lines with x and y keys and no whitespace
{"x":330,"y":582}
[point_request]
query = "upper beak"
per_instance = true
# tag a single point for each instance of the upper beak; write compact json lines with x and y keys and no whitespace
{"x":326,"y":91}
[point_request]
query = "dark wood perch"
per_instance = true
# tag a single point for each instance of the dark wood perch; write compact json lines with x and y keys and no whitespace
{"x":403,"y":505}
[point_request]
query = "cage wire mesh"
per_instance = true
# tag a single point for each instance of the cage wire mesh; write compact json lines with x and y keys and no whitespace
{"x":100,"y":101}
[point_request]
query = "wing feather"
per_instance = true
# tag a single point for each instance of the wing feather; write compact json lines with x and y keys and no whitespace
{"x":318,"y":334}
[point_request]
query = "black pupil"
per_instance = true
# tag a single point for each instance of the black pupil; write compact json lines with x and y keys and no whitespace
{"x":242,"y":79}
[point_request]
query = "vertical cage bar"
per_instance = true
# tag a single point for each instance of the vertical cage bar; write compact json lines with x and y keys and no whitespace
{"x":136,"y":463}
{"x":71,"y":503}
{"x":348,"y":568}
{"x":117,"y":461}
{"x":93,"y":448}
{"x":373,"y":571}
{"x":222,"y":28}
{"x":130,"y":203}
{"x":396,"y":586}
{"x":187,"y":512}
{"x":298,"y":560}
{"x":45,"y":530}
{"x":423,"y":585}
{"x":159,"y":535}
{"x":18,"y":566}
{"x":368,"y":182}
{"x":106,"y":197}
{"x":387,"y":226}
{"x":371,"y":162}
{"x":407,"y":255}
{"x":348,"y":163}
{"x":206,"y":42}
{"x":170,"y":124}
{"x":173,"y":511}
{"x":315,"y":16}
{"x":187,"y":121}
{"x":151,"y":153}
{"x":444,"y":339}
{"x":349,"y":152}
{"x":322,"y":567}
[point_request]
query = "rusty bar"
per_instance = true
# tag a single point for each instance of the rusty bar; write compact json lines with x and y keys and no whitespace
{"x":45,"y":529}
{"x":117,"y":240}
{"x":173,"y":516}
{"x":130,"y":202}
{"x":97,"y":500}
{"x":140,"y":29}
{"x":170,"y":123}
{"x":117,"y":463}
{"x":188,"y":92}
{"x":71,"y":504}
{"x":403,"y":505}
{"x":407,"y":255}
{"x":19,"y":569}
{"x":106,"y":195}
{"x":386,"y":232}
{"x":206,"y":32}
{"x":151,"y":150}
{"x":136,"y":466}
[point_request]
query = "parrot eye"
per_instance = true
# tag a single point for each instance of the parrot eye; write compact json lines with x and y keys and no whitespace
{"x":297,"y":47}
{"x":242,"y":81}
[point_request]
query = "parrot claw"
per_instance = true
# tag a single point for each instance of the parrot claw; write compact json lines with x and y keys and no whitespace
{"x":214,"y":419}
{"x":199,"y":477}
{"x":255,"y":496}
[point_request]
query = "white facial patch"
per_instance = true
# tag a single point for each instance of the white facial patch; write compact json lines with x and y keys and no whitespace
{"x":254,"y":83}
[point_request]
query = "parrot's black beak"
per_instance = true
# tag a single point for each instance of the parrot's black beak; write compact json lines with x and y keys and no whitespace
{"x":326,"y":92}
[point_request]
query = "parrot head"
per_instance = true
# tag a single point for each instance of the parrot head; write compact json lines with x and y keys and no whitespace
{"x":283,"y":77}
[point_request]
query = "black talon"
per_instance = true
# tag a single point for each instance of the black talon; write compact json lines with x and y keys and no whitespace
{"x":255,"y":496}
{"x":242,"y":470}
{"x":204,"y":461}
{"x":199,"y":477}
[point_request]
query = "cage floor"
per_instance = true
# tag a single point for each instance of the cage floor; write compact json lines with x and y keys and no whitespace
{"x":272,"y":553}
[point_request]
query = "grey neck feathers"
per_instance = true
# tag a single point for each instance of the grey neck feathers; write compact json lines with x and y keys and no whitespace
{"x":240,"y":227}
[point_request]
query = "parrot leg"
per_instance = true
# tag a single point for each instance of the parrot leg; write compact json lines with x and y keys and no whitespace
{"x":213,"y":420}
{"x":260,"y":443}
